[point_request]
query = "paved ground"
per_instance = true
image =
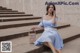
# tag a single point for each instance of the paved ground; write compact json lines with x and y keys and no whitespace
{"x":72,"y":46}
{"x":21,"y":45}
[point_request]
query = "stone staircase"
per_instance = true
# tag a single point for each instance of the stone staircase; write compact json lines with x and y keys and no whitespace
{"x":4,"y":12}
{"x":68,"y":34}
{"x":14,"y":26}
{"x":70,"y":47}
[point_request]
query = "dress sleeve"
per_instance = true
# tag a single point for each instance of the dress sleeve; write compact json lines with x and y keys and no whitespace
{"x":58,"y":18}
{"x":55,"y":24}
{"x":40,"y":24}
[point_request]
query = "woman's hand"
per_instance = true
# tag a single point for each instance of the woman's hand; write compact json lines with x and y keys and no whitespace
{"x":33,"y":28}
{"x":36,"y":27}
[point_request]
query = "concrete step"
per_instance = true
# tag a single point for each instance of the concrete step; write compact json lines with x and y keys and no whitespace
{"x":68,"y":34}
{"x":12,"y":24}
{"x":14,"y":15}
{"x":5,"y":9}
{"x":2,"y":8}
{"x":16,"y":32}
{"x":70,"y":47}
{"x":21,"y":46}
{"x":8,"y":11}
{"x":7,"y":19}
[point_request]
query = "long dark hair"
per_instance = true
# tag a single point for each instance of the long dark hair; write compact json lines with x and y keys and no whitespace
{"x":48,"y":6}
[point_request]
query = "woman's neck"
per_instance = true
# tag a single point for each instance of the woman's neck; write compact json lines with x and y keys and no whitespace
{"x":50,"y":14}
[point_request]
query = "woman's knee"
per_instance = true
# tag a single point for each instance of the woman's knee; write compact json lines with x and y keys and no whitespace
{"x":46,"y":44}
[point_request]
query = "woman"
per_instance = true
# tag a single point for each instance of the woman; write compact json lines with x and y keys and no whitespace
{"x":50,"y":37}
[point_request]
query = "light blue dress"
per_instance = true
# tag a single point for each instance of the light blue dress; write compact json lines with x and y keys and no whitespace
{"x":50,"y":34}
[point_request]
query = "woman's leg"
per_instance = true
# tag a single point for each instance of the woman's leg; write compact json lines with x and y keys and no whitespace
{"x":58,"y":51}
{"x":46,"y":44}
{"x":50,"y":45}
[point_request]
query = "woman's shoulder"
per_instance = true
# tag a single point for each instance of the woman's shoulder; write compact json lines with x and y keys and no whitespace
{"x":44,"y":16}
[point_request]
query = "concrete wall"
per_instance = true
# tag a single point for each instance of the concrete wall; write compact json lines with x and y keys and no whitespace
{"x":66,"y":13}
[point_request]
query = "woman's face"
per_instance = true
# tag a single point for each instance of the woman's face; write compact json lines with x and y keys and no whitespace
{"x":51,"y":9}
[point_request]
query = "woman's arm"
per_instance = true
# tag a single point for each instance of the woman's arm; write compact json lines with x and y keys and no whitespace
{"x":55,"y":20}
{"x":39,"y":26}
{"x":36,"y":27}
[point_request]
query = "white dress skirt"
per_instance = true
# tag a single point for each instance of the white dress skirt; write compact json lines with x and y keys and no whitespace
{"x":50,"y":34}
